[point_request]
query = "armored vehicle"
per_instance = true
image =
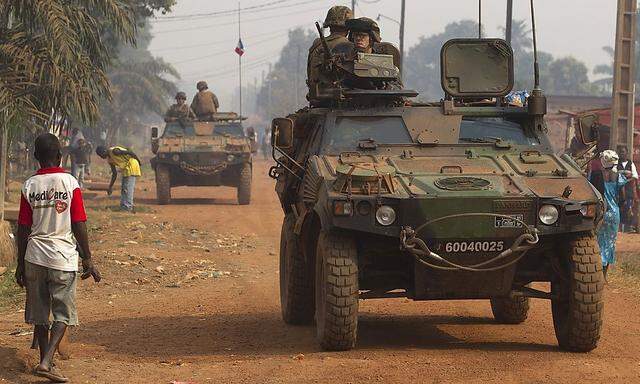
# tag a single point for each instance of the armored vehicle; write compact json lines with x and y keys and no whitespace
{"x":203,"y":153}
{"x":458,"y":199}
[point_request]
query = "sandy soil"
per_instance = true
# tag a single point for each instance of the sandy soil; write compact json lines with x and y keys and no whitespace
{"x":190,"y":294}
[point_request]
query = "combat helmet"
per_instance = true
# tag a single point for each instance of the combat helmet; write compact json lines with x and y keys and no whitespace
{"x":366,"y":25}
{"x":181,"y":95}
{"x":337,"y":16}
{"x":202,"y":85}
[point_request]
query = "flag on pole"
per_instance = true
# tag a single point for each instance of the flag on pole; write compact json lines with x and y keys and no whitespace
{"x":240,"y":48}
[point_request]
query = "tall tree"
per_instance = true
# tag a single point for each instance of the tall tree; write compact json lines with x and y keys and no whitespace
{"x":53,"y":57}
{"x":285,"y":88}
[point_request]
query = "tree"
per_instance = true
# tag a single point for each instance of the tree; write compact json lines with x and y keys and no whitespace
{"x":277,"y":96}
{"x":53,"y":58}
{"x":605,"y":84}
{"x":568,"y":76}
{"x":422,"y":64}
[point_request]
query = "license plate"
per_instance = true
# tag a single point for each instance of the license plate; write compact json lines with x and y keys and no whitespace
{"x":509,"y":222}
{"x":472,"y":246}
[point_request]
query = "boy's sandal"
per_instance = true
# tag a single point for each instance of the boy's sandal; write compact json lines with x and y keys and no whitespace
{"x":52,"y":374}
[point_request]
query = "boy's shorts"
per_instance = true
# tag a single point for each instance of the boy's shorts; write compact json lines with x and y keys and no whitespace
{"x":50,"y":291}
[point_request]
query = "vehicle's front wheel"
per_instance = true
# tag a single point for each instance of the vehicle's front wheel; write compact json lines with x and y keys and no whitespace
{"x":336,"y":291}
{"x":510,"y":310}
{"x":163,"y":184}
{"x":296,"y":278}
{"x":244,"y":185}
{"x":578,"y":288}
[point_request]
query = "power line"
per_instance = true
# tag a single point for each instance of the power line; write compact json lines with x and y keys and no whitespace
{"x":248,"y":10}
{"x":243,"y":21}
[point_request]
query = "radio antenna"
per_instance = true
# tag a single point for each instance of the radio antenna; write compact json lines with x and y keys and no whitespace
{"x":536,"y":68}
{"x":479,"y":19}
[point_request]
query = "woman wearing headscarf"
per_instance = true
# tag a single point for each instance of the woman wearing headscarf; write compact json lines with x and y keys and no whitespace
{"x":613,"y":183}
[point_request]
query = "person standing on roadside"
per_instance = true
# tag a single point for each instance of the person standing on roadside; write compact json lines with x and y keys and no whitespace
{"x":123,"y":160}
{"x":613,"y":181}
{"x":80,"y":155}
{"x":628,"y":194}
{"x":51,"y":215}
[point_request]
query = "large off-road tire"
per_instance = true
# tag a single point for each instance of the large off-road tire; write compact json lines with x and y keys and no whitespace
{"x":507,"y":310}
{"x":336,"y":291}
{"x":244,"y":185}
{"x":577,"y":314}
{"x":163,"y":184}
{"x":296,"y":278}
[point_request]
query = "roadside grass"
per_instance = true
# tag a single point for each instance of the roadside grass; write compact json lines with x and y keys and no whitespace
{"x":627,"y":269}
{"x":10,"y":294}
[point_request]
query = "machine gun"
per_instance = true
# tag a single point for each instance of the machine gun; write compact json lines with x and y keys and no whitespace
{"x":325,"y":47}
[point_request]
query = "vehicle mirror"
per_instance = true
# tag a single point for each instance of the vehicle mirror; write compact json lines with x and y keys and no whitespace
{"x":282,"y":133}
{"x":587,"y":127}
{"x":154,"y":132}
{"x":476,"y":68}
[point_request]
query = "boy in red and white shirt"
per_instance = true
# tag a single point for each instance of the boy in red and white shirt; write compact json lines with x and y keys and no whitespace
{"x":50,"y":223}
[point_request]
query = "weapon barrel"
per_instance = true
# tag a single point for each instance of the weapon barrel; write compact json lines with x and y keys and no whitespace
{"x":325,"y":46}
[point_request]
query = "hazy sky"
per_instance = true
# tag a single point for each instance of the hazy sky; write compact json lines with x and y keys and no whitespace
{"x":202,"y":47}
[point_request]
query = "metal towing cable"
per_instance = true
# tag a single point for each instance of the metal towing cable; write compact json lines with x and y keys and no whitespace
{"x":419,"y":249}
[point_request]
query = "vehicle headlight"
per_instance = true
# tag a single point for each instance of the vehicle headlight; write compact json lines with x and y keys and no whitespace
{"x":175,"y":158}
{"x":385,"y":215}
{"x":230,"y":158}
{"x":548,"y":214}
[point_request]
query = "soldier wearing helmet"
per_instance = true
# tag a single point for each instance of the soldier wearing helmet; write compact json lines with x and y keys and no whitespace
{"x":180,"y":110}
{"x":335,"y":21}
{"x":205,"y":103}
{"x":364,"y":33}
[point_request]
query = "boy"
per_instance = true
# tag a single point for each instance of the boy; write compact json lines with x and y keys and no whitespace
{"x":51,"y":215}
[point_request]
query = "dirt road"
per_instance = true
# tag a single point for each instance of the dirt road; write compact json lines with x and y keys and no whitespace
{"x":191,"y":294}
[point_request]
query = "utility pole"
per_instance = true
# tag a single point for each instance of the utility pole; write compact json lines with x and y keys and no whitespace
{"x":353,"y":8}
{"x":240,"y":61}
{"x":623,"y":107}
{"x":297,"y":85}
{"x":508,"y":25}
{"x":402,"y":12}
{"x":269,"y":97}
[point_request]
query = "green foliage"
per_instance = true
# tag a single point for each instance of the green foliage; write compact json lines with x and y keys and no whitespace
{"x":53,"y":57}
{"x":277,"y":96}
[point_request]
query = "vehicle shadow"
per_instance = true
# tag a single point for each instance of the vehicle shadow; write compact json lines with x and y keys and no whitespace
{"x":190,"y":201}
{"x":257,"y":334}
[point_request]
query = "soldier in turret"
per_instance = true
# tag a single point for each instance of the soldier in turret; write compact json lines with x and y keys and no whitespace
{"x":205,"y":103}
{"x":364,"y":33}
{"x":335,"y":21}
{"x":179,"y":110}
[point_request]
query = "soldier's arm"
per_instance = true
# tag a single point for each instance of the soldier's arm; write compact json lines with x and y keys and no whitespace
{"x":215,"y":101}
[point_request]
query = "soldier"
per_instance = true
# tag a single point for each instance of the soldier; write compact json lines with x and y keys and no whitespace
{"x":364,"y":33}
{"x":335,"y":21}
{"x":179,"y":110}
{"x":205,"y":103}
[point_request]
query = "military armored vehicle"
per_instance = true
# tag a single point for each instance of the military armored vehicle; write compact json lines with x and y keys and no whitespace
{"x":203,"y":153}
{"x":463,"y":198}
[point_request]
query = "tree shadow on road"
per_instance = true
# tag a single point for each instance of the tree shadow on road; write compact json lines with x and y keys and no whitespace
{"x":258,"y":334}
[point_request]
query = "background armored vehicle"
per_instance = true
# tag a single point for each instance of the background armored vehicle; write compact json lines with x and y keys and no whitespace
{"x":203,"y":153}
{"x":458,"y":199}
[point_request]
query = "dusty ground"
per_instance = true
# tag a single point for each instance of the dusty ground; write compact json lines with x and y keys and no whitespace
{"x":190,"y":293}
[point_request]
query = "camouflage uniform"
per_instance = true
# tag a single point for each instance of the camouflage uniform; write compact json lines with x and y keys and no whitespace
{"x":205,"y":104}
{"x":335,"y":19}
{"x":177,"y":111}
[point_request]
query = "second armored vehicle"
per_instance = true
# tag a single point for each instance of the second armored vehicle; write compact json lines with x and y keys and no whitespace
{"x":203,"y":153}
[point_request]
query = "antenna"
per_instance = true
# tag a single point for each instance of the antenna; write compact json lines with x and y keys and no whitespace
{"x":536,"y":69}
{"x":479,"y":19}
